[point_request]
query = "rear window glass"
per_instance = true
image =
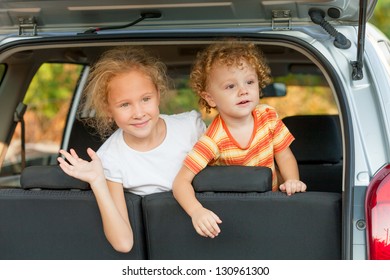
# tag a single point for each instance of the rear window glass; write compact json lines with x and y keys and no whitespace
{"x":305,"y":95}
{"x":48,"y":101}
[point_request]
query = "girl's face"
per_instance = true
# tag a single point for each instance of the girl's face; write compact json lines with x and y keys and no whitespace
{"x":233,"y":91}
{"x":133,"y":103}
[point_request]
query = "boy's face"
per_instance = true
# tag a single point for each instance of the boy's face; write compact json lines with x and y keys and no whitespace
{"x":133,"y":103}
{"x":233,"y":91}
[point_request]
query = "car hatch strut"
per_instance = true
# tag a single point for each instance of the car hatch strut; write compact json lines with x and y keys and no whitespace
{"x":143,"y":16}
{"x":317,"y":16}
{"x":357,"y":66}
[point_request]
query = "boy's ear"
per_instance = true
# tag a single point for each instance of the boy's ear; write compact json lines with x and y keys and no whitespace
{"x":209,"y":99}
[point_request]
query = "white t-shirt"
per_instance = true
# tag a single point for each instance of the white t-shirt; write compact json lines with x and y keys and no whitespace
{"x":153,"y":171}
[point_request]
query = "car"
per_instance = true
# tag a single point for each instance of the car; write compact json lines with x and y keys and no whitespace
{"x":331,"y":87}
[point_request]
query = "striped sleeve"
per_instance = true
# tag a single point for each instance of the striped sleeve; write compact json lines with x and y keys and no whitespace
{"x":204,"y":152}
{"x":282,"y":137}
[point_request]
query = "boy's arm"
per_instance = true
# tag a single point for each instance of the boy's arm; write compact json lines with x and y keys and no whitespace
{"x":204,"y":221}
{"x":289,"y":170}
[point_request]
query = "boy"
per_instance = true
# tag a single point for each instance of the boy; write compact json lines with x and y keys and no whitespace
{"x":228,"y":77}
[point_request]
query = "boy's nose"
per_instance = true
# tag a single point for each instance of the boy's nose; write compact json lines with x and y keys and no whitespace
{"x":243,"y":90}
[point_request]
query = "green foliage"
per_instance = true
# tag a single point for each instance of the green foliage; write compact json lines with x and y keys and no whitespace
{"x":180,"y":100}
{"x":51,"y":88}
{"x":380,"y":16}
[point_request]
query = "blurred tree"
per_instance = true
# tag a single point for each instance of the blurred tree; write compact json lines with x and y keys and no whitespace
{"x":380,"y":16}
{"x":53,"y":84}
{"x":48,"y":99}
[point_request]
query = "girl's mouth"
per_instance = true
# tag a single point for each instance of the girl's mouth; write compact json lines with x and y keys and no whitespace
{"x":140,"y":125}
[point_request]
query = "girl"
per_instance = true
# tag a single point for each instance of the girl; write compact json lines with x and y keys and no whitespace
{"x":146,"y":149}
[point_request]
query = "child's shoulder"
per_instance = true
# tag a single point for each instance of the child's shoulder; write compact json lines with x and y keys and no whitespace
{"x":265,"y":109}
{"x":186,"y":119}
{"x":111,"y":142}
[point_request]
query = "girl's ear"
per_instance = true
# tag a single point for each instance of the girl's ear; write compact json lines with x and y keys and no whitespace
{"x":209,"y":99}
{"x":158,"y":97}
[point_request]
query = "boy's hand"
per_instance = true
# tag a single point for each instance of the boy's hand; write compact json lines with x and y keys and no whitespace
{"x":292,"y":186}
{"x":206,"y":222}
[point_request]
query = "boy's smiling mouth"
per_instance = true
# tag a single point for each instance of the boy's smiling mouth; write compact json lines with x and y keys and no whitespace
{"x":243,"y":102}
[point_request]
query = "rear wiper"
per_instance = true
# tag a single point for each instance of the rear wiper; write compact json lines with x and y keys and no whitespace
{"x":143,"y":16}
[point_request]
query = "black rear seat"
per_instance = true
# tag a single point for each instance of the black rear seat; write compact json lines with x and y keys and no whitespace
{"x":57,"y":220}
{"x":56,"y":217}
{"x":266,"y":225}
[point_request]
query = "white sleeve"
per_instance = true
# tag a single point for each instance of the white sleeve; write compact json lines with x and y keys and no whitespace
{"x":199,"y":125}
{"x":111,"y":170}
{"x":109,"y":161}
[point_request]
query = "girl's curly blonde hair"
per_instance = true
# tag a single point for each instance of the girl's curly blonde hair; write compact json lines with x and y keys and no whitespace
{"x":229,"y":53}
{"x":112,"y":63}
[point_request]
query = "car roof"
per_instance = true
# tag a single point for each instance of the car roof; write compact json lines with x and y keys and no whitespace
{"x":50,"y":16}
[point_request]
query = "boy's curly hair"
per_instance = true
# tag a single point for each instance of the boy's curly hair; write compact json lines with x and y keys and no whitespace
{"x":112,"y":63}
{"x":229,"y":53}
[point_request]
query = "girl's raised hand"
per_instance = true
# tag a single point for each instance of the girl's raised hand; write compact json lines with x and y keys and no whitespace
{"x":88,"y":171}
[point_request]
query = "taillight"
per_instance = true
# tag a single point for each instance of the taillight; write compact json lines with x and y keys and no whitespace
{"x":378,"y":215}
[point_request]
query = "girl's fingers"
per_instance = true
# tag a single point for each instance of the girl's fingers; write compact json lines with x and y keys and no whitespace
{"x":74,"y":154}
{"x":70,"y":158}
{"x":91,"y":153}
{"x":65,"y":166}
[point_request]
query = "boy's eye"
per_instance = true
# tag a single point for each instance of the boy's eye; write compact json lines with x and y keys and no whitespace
{"x":123,"y":105}
{"x":146,"y":99}
{"x":231,"y":86}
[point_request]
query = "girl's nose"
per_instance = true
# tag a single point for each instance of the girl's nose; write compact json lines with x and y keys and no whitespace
{"x":138,"y":112}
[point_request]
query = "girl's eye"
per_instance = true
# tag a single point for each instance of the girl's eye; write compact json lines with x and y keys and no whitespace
{"x":146,"y":99}
{"x":251,"y":82}
{"x":124,"y":105}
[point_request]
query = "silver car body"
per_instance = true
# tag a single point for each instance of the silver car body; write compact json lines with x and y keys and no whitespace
{"x":364,"y":103}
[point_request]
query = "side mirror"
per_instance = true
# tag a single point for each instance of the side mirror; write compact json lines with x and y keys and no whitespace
{"x":274,"y":90}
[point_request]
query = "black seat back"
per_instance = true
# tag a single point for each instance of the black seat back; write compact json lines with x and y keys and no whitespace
{"x":266,"y":225}
{"x":318,"y":150}
{"x":82,"y":137}
{"x":256,"y":223}
{"x":49,"y":221}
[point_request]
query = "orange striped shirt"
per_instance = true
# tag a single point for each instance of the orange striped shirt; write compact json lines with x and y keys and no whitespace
{"x":217,"y":147}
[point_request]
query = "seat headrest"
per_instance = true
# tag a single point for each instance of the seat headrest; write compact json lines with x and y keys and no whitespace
{"x":317,"y":138}
{"x":233,"y":178}
{"x":50,"y":177}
